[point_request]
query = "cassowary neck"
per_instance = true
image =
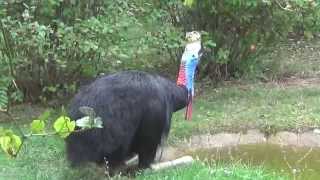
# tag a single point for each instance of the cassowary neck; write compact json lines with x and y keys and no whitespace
{"x":185,"y":79}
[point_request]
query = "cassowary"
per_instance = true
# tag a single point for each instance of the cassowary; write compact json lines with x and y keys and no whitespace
{"x":136,"y":110}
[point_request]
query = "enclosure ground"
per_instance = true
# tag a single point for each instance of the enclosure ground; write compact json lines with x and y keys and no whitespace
{"x":233,"y":113}
{"x":282,"y":110}
{"x":291,"y":104}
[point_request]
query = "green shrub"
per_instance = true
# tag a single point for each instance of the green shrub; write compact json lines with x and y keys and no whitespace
{"x":242,"y":29}
{"x":48,"y":47}
{"x":54,"y":44}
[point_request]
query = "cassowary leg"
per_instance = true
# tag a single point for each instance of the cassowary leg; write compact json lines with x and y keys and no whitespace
{"x":115,"y":168}
{"x":147,"y":155}
{"x":116,"y":161}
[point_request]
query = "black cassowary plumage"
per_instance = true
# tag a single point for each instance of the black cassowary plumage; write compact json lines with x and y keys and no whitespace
{"x":136,"y":109}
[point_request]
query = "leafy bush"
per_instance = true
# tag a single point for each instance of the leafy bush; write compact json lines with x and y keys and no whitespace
{"x":48,"y":47}
{"x":242,"y":29}
{"x":55,"y":44}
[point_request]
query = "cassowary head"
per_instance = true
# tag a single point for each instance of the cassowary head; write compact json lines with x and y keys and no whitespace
{"x":189,"y":62}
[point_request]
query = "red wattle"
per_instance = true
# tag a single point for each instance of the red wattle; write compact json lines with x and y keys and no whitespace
{"x":181,"y":76}
{"x":181,"y":81}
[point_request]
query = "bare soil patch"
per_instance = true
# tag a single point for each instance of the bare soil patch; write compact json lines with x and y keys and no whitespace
{"x":297,"y":82}
{"x":23,"y":112}
{"x":254,"y":136}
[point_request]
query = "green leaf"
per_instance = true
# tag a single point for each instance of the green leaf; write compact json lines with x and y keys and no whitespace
{"x":2,"y":131}
{"x":123,"y":56}
{"x":10,"y":143}
{"x":210,"y":44}
{"x":308,"y":34}
{"x":45,"y":115}
{"x":64,"y":126}
{"x":37,"y":126}
{"x":3,"y":98}
{"x":52,"y":89}
{"x":188,"y":3}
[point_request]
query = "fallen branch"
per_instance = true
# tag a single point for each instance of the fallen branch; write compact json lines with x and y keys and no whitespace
{"x":169,"y":164}
{"x":133,"y":161}
{"x":162,"y":165}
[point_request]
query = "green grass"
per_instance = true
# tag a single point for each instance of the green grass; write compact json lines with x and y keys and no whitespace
{"x":43,"y":158}
{"x":240,"y":107}
{"x":226,"y":108}
{"x":299,"y":59}
{"x":231,"y":108}
{"x":40,"y":158}
{"x":201,"y":171}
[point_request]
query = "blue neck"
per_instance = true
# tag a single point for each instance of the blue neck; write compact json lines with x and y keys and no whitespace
{"x":190,"y":66}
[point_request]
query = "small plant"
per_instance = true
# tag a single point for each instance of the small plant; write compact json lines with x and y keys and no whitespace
{"x":11,"y":143}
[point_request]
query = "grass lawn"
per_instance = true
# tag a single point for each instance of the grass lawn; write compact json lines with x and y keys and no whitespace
{"x":268,"y":107}
{"x":232,"y":108}
{"x":201,"y":171}
{"x":43,"y":159}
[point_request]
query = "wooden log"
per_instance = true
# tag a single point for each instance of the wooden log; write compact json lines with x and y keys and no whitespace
{"x":169,"y":164}
{"x":133,"y":161}
{"x":163,"y":165}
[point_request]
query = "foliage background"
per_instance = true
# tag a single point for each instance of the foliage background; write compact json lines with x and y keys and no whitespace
{"x":50,"y":47}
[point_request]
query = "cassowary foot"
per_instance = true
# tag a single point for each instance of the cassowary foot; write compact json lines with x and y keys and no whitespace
{"x":113,"y":171}
{"x":123,"y":170}
{"x":120,"y":168}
